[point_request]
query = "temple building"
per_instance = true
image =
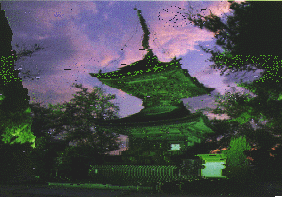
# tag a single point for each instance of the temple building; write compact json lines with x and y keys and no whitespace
{"x":161,"y":86}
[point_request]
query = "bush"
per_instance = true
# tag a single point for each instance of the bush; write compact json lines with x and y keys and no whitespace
{"x":44,"y":157}
{"x":237,"y":166}
{"x":75,"y":162}
{"x":16,"y":165}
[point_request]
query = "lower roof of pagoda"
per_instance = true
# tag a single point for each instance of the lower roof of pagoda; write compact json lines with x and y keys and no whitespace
{"x":144,"y":119}
{"x":190,"y":127}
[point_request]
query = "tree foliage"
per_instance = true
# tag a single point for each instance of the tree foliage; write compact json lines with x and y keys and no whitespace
{"x":140,"y":152}
{"x":23,"y":52}
{"x":80,"y":115}
{"x":237,"y":165}
{"x":248,"y":48}
{"x":242,"y":34}
{"x":262,"y":138}
{"x":15,"y":123}
{"x":42,"y":120}
{"x":75,"y":121}
{"x":235,"y":153}
{"x":16,"y":162}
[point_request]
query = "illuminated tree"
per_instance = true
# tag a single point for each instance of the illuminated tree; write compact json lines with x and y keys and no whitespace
{"x":236,"y":163}
{"x":262,"y":137}
{"x":15,"y":120}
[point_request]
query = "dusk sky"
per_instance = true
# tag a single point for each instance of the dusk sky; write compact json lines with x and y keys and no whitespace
{"x":87,"y":36}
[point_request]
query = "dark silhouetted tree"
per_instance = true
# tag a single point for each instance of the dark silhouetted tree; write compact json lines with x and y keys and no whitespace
{"x":24,"y":53}
{"x":78,"y":118}
{"x":251,"y":41}
{"x":75,"y":121}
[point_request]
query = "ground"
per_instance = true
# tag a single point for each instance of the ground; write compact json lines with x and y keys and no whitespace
{"x":270,"y":188}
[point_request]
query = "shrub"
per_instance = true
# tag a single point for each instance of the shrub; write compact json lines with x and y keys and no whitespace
{"x":75,"y":162}
{"x":237,"y":166}
{"x":16,"y":165}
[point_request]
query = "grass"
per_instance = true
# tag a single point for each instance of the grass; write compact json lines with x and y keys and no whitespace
{"x":205,"y":187}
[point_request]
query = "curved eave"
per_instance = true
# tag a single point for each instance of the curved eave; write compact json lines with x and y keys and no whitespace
{"x":138,"y":121}
{"x":192,"y":121}
{"x":197,"y":83}
{"x":149,"y":64}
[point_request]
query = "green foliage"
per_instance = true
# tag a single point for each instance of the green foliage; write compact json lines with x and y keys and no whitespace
{"x":236,"y":162}
{"x":143,"y":151}
{"x":236,"y":106}
{"x":45,"y":155}
{"x":42,"y":121}
{"x":74,"y":162}
{"x":23,"y":53}
{"x":18,"y":124}
{"x":241,"y":39}
{"x":82,"y":113}
{"x":235,"y":154}
{"x":73,"y":120}
{"x":16,"y":139}
{"x":16,"y":165}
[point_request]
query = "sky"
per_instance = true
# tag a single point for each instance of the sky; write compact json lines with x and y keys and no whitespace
{"x":85,"y":36}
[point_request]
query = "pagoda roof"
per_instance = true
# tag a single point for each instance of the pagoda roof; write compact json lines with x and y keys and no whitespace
{"x":150,"y":77}
{"x":136,"y":79}
{"x":173,"y":128}
{"x":148,"y":65}
{"x":160,"y":85}
{"x":144,"y":119}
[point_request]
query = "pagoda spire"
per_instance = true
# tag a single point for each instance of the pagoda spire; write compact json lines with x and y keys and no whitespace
{"x":145,"y":42}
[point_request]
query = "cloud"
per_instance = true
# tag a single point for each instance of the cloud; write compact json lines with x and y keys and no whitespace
{"x":47,"y":15}
{"x":174,"y":33}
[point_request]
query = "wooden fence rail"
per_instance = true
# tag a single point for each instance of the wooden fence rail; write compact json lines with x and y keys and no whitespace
{"x":137,"y":171}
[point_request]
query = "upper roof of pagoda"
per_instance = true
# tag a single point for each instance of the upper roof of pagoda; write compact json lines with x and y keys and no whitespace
{"x":141,"y":74}
{"x":149,"y":64}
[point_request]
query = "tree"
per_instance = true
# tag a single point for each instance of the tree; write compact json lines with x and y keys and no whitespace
{"x":262,"y":138}
{"x":15,"y":121}
{"x":247,"y":47}
{"x":16,"y":118}
{"x":237,"y":166}
{"x":242,"y":40}
{"x":26,"y":52}
{"x":80,"y":116}
{"x":76,"y":122}
{"x":46,"y":151}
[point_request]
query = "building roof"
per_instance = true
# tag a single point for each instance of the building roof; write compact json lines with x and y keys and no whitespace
{"x":161,"y":86}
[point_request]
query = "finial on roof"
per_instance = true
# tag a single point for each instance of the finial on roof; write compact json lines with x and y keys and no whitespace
{"x":145,"y":42}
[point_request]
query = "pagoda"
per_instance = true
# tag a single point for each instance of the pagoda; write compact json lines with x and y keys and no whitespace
{"x":161,"y":86}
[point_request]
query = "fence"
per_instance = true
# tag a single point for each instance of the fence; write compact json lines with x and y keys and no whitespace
{"x":135,"y":173}
{"x":190,"y":169}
